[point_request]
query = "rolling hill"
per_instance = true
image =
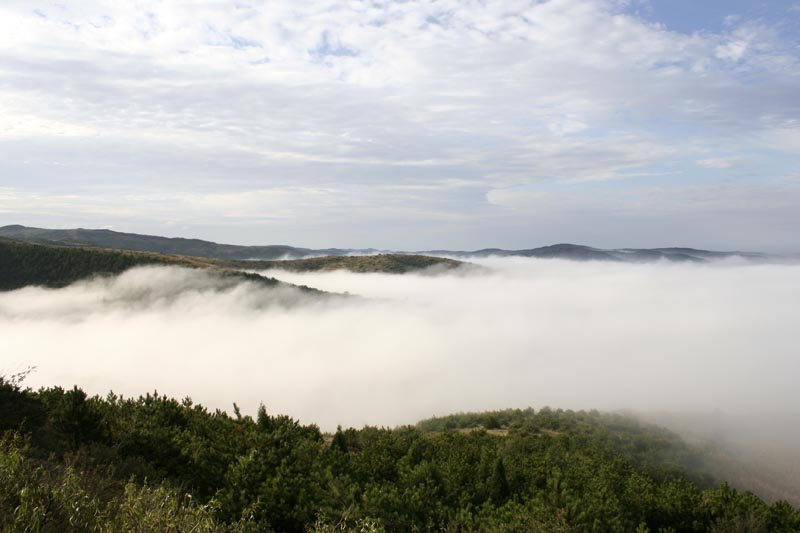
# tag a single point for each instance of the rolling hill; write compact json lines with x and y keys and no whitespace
{"x":52,"y":264}
{"x":200,"y":248}
{"x":24,"y":263}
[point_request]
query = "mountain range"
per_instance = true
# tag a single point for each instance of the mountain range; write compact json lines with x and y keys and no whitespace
{"x":200,"y":248}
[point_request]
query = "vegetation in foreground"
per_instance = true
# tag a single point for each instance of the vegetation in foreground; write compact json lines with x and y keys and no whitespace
{"x":69,"y":462}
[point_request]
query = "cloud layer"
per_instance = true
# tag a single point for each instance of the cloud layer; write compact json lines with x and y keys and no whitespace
{"x":532,"y":332}
{"x":360,"y":124}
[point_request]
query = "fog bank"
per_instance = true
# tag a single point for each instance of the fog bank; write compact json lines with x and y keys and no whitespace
{"x":654,"y":337}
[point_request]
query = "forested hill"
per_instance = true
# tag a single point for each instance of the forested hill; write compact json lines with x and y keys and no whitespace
{"x":383,"y":263}
{"x":69,"y":462}
{"x":24,"y":263}
{"x":59,"y":257}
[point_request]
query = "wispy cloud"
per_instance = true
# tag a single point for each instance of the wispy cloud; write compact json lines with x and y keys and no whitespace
{"x":241,"y":99}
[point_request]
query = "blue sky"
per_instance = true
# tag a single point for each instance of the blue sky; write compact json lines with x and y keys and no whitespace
{"x":406,"y":125}
{"x":689,"y":16}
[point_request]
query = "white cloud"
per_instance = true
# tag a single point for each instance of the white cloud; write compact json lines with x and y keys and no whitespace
{"x":716,"y":162}
{"x":731,"y":51}
{"x":532,"y":332}
{"x":178,"y":74}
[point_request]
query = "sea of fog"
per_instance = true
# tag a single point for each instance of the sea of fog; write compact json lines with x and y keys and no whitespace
{"x":521,"y":332}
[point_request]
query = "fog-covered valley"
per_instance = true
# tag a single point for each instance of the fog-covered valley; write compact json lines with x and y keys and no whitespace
{"x":660,"y":337}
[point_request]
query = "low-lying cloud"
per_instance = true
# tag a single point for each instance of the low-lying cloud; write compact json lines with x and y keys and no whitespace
{"x":655,"y":337}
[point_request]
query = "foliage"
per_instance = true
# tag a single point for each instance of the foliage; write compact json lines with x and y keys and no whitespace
{"x":71,"y":462}
{"x":44,"y":496}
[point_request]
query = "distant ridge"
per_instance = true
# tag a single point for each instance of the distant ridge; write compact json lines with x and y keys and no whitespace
{"x":200,"y":248}
{"x":577,"y":252}
{"x":165,"y":245}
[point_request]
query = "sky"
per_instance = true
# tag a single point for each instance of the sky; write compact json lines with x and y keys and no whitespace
{"x":457,"y":124}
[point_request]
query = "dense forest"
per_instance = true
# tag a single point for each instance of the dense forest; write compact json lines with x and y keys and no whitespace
{"x":71,"y":462}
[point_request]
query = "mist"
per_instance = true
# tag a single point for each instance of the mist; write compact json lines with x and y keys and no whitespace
{"x":521,"y":332}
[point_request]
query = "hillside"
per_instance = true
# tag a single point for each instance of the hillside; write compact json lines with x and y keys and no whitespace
{"x":70,"y":462}
{"x":25,"y":263}
{"x":384,"y":263}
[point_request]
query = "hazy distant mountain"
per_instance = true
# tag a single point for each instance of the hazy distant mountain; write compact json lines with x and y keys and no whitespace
{"x":199,"y":248}
{"x":587,"y":253}
{"x":555,"y":251}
